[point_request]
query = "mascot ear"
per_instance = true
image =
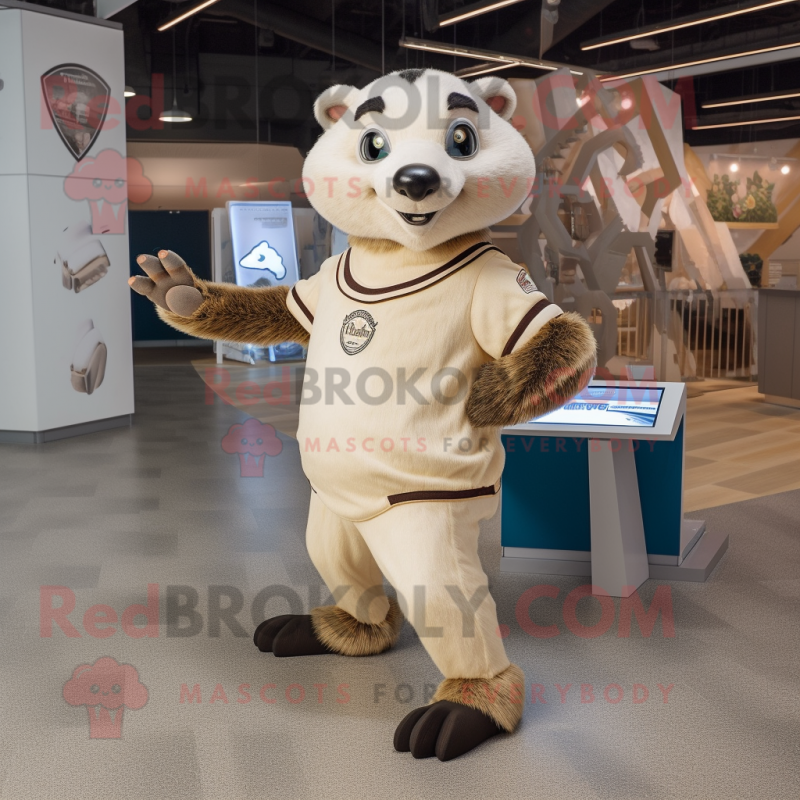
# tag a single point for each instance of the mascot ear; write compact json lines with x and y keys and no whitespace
{"x":497,"y":94}
{"x":333,"y":104}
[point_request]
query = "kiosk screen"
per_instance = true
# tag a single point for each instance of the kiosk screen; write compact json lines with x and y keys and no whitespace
{"x":612,"y":406}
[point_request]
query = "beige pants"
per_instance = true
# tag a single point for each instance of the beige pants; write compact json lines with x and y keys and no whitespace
{"x":429,"y":552}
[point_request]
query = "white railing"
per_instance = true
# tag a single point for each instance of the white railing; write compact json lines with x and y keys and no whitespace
{"x":689,"y":335}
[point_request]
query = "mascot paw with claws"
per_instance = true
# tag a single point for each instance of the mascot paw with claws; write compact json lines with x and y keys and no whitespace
{"x":432,"y":340}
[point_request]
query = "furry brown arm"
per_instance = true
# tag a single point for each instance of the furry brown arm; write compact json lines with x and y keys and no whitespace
{"x":216,"y":310}
{"x":238,"y":314}
{"x":554,"y":366}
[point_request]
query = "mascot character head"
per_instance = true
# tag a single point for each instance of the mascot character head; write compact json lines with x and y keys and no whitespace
{"x":418,"y":157}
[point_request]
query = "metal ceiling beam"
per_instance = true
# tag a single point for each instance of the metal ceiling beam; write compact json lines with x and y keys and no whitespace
{"x":524,"y":36}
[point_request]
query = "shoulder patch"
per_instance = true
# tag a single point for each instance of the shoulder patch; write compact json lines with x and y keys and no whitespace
{"x":525,"y":283}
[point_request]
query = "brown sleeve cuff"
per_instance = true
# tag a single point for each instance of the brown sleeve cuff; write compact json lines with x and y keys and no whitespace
{"x":523,"y":324}
{"x":301,"y":305}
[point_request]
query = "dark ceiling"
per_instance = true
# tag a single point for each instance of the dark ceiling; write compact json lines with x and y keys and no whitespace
{"x":248,"y":70}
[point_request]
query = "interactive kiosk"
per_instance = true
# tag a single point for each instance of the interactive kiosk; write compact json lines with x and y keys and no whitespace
{"x":596,"y":488}
{"x":255,"y":244}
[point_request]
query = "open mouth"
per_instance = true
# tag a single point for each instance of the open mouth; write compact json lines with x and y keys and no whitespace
{"x":417,"y":219}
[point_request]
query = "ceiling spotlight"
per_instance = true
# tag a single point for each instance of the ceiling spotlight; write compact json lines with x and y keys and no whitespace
{"x":735,"y":166}
{"x":785,"y":169}
{"x":175,"y":114}
{"x":129,"y":91}
{"x":626,"y":103}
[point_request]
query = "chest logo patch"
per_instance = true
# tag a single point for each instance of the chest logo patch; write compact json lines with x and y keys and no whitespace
{"x":358,"y":329}
{"x":525,"y":283}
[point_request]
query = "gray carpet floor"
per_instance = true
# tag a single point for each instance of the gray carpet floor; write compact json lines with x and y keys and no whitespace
{"x":161,"y":503}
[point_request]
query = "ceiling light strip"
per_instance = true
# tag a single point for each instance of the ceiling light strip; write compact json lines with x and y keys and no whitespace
{"x":483,"y":55}
{"x":474,"y":11}
{"x":186,"y":15}
{"x":760,"y":98}
{"x":753,"y":156}
{"x":683,"y":65}
{"x":454,"y":50}
{"x":684,"y":22}
{"x":743,"y":122}
{"x":481,"y":69}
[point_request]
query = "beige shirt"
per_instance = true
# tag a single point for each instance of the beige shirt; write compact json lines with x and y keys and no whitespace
{"x":396,"y":342}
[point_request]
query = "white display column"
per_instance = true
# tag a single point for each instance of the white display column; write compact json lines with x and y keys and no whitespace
{"x":65,"y":326}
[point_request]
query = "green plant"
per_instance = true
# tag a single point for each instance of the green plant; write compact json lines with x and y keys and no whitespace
{"x":727,"y":203}
{"x":719,"y":199}
{"x":753,"y":265}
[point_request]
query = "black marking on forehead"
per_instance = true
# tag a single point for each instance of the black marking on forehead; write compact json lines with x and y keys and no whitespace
{"x":375,"y":104}
{"x":410,"y":75}
{"x":456,"y":100}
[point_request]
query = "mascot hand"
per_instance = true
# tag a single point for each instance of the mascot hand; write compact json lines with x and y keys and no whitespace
{"x":170,"y":285}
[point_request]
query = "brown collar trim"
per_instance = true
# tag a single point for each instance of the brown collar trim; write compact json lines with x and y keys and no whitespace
{"x":417,"y":284}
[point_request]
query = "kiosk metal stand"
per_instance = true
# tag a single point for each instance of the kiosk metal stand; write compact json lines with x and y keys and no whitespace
{"x":596,"y":489}
{"x":619,"y":554}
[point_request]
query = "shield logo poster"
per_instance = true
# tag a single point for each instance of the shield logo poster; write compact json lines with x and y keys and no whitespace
{"x":77,"y":100}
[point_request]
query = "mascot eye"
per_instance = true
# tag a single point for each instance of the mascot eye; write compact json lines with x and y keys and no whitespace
{"x":374,"y":146}
{"x":462,"y":141}
{"x":94,"y":689}
{"x":116,"y":688}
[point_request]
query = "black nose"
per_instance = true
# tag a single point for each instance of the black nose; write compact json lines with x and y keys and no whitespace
{"x":416,"y":181}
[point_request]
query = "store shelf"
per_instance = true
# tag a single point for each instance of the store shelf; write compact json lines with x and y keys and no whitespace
{"x":752,"y":226}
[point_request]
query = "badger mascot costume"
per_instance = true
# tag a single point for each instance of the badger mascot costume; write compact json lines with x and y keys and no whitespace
{"x":432,"y":340}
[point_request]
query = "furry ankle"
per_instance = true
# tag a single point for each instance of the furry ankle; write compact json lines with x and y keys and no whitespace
{"x":344,"y":634}
{"x":499,"y":698}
